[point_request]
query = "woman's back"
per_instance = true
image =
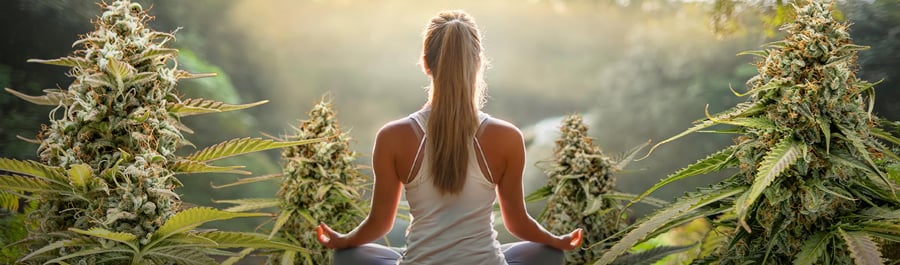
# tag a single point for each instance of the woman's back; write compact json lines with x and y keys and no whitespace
{"x":452,"y":199}
{"x":454,"y":228}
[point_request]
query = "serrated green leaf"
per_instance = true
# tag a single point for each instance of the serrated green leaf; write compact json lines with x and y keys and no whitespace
{"x":22,"y":183}
{"x":288,"y":258}
{"x":154,"y":53}
{"x":125,"y":238}
{"x":884,"y":135}
{"x":118,"y":70}
{"x":321,"y":191}
{"x":851,"y":47}
{"x":882,"y":229}
{"x":248,"y":180}
{"x":53,"y":97}
{"x":687,"y":218}
{"x":860,"y":146}
{"x":663,"y":217}
{"x":244,"y":205}
{"x":622,"y":196}
{"x":186,"y":240}
{"x":711,"y":163}
{"x":280,"y":221}
{"x":75,"y":242}
{"x":233,"y":260}
{"x":750,"y":122}
{"x":882,"y":213}
{"x":697,"y":127}
{"x":192,"y":167}
{"x":630,"y":155}
{"x":833,"y":60}
{"x":741,"y":110}
{"x":141,"y":78}
{"x":181,"y":74}
{"x":744,"y":109}
{"x":247,"y":240}
{"x":775,"y":44}
{"x":192,"y":218}
{"x":306,"y":216}
{"x":185,"y":256}
{"x":640,"y":232}
{"x":650,"y":256}
{"x":79,"y":174}
{"x":825,"y":125}
{"x":242,"y":146}
{"x":714,"y":240}
{"x":90,"y":252}
{"x":760,"y":53}
{"x":64,"y":61}
{"x":192,"y":106}
{"x":98,"y":80}
{"x":539,"y":194}
{"x":34,"y":169}
{"x":813,"y":249}
{"x":862,"y":248}
{"x":776,"y":161}
{"x":9,"y":201}
{"x":768,"y":86}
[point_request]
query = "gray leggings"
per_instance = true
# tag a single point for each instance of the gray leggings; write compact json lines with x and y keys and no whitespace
{"x":518,"y":253}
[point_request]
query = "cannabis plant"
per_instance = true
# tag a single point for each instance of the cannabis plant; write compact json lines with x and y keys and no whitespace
{"x":580,"y":190}
{"x":105,"y":182}
{"x":320,"y":183}
{"x":812,"y":182}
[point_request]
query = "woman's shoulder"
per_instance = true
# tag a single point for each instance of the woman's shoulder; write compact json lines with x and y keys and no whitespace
{"x":397,"y":129}
{"x":499,"y":130}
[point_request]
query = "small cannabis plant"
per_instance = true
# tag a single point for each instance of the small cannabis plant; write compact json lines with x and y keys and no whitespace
{"x":580,"y":190}
{"x":320,"y":184}
{"x":105,"y":182}
{"x":813,"y":182}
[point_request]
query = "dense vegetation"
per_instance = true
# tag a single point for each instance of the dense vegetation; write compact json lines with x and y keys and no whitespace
{"x":815,"y":179}
{"x":814,"y":182}
{"x":104,"y":186}
{"x":320,"y":183}
{"x":580,"y":191}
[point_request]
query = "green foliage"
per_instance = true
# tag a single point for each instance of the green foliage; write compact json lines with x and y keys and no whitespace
{"x":320,"y":183}
{"x":173,"y":243}
{"x":581,"y":177}
{"x":107,"y":160}
{"x":811,"y":182}
{"x":12,"y":230}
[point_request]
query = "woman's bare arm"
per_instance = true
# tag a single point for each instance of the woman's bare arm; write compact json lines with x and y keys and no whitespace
{"x":506,"y":141}
{"x":385,"y":198}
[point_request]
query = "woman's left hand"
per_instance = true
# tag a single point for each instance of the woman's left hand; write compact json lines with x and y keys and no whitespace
{"x":329,"y":238}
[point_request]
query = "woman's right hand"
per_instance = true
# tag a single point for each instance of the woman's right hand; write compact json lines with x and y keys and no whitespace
{"x":329,"y":238}
{"x":570,"y":241}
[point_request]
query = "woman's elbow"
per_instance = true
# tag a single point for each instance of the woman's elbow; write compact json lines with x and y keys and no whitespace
{"x":517,"y":227}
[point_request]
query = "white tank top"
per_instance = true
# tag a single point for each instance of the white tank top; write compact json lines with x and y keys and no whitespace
{"x":451,"y":229}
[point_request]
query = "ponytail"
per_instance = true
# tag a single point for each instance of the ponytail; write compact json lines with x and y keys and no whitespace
{"x":452,"y":55}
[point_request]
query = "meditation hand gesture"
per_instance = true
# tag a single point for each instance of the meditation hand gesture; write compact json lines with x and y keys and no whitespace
{"x":329,"y":238}
{"x":570,"y":241}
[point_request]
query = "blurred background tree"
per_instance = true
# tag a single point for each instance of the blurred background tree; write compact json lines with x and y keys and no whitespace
{"x":638,"y":69}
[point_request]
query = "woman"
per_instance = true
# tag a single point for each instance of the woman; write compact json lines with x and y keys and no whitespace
{"x":453,"y":161}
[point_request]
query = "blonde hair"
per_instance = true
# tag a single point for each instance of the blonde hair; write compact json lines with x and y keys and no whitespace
{"x":452,"y":56}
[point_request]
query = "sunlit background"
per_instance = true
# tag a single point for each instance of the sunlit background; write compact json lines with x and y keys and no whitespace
{"x":639,"y":71}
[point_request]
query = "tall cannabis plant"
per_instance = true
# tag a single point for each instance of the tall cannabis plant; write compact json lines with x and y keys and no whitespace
{"x":580,"y":190}
{"x":106,"y":177}
{"x":812,"y":183}
{"x":320,"y":184}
